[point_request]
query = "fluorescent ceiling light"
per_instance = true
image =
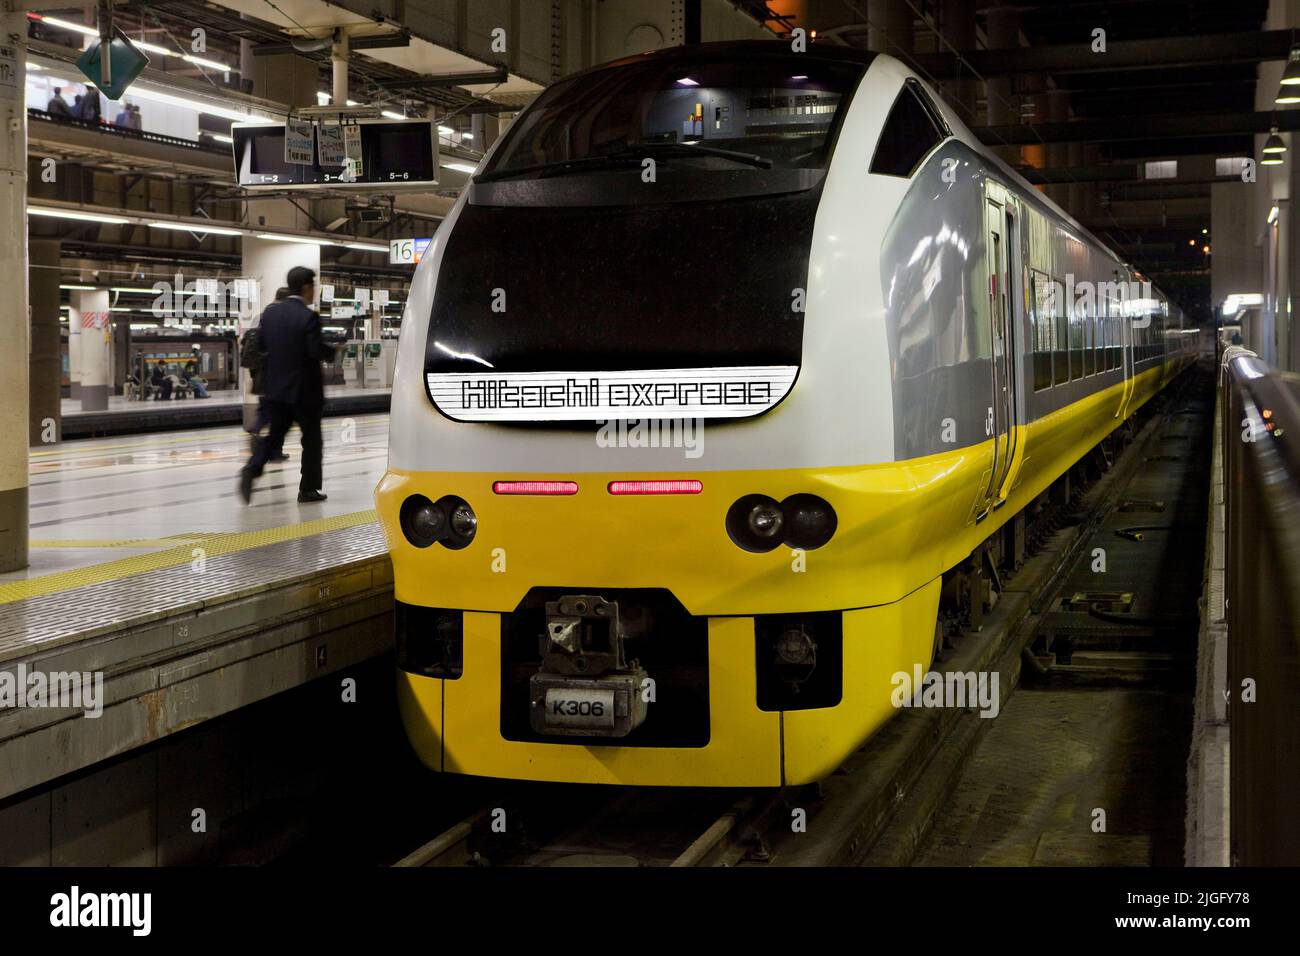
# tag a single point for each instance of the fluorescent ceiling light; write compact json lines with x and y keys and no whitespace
{"x":446,"y":130}
{"x":223,"y":138}
{"x":284,"y":238}
{"x":86,"y":30}
{"x":210,"y":64}
{"x":79,"y":288}
{"x":76,"y":215}
{"x":687,"y":81}
{"x":81,"y":28}
{"x":391,"y":115}
{"x":459,"y":167}
{"x":133,"y":289}
{"x":196,"y":227}
{"x":366,"y":247}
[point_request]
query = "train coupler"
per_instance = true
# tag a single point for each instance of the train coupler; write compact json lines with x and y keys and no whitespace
{"x":586,"y":685}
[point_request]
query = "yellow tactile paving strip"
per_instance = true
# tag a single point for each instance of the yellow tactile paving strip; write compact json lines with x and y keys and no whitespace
{"x":168,"y":542}
{"x":213,"y":545}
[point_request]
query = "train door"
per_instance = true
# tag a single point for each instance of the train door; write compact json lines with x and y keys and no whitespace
{"x":1006,"y":305}
{"x":1126,"y":337}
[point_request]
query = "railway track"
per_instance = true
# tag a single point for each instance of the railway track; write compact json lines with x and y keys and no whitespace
{"x":913,"y":763}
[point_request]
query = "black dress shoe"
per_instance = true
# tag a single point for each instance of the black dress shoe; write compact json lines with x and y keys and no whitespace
{"x":246,"y":485}
{"x":308,"y":496}
{"x":280,"y":457}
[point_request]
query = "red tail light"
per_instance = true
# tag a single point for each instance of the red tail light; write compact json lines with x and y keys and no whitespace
{"x":535,"y":487}
{"x":674,"y":486}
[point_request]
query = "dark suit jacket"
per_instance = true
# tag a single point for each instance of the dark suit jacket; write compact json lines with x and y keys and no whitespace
{"x":291,"y":337}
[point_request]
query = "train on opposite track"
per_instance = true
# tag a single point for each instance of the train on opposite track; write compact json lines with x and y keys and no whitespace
{"x":725,"y":356}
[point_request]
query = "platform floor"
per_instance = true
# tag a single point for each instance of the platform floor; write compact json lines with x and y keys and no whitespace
{"x":133,"y":504}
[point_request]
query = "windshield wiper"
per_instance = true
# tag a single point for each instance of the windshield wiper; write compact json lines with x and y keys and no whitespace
{"x":625,"y":157}
{"x":685,"y":149}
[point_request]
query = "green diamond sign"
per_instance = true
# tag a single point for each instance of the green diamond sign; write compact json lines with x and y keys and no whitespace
{"x":124,"y":60}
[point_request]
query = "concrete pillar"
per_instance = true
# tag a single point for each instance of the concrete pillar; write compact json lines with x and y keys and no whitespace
{"x":120,"y":354}
{"x":14,"y":320}
{"x":74,"y":355}
{"x":91,"y":313}
{"x":266,"y":262}
{"x":266,"y":265}
{"x":339,"y":68}
{"x":46,"y":365}
{"x":890,"y":27}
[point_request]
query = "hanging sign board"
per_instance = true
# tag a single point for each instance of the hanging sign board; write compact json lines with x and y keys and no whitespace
{"x":329,"y":144}
{"x":377,"y":155}
{"x":299,"y":143}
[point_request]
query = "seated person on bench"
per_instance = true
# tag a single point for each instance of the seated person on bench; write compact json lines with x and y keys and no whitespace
{"x":160,"y":380}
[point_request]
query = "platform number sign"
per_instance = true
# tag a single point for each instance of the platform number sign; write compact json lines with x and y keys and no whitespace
{"x":406,"y":252}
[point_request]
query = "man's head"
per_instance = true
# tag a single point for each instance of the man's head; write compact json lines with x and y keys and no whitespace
{"x":281,"y":293}
{"x":301,"y":282}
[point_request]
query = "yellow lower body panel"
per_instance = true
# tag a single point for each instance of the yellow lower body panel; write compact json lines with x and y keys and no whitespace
{"x":455,"y":725}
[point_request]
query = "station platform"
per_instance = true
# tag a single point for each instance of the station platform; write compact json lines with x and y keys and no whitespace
{"x":148,"y":570}
{"x":128,"y":416}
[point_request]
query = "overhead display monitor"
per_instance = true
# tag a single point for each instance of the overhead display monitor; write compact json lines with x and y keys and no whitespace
{"x":394,"y":155}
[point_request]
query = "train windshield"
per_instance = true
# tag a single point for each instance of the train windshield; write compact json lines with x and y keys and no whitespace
{"x":757,"y":124}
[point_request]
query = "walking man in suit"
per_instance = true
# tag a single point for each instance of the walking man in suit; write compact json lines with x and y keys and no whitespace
{"x":294,"y":385}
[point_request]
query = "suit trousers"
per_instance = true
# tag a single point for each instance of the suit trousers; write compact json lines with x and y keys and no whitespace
{"x":282,"y":415}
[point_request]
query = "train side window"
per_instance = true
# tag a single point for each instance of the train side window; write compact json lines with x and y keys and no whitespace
{"x":1060,"y":341}
{"x":1076,"y":339}
{"x":1043,"y":340}
{"x":1099,"y":342}
{"x":910,"y":132}
{"x":1088,"y":342}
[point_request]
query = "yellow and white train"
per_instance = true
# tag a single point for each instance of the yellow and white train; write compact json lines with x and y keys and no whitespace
{"x":723,"y":358}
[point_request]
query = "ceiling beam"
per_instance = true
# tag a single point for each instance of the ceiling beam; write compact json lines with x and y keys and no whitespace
{"x":1121,"y":128}
{"x":1153,"y":54}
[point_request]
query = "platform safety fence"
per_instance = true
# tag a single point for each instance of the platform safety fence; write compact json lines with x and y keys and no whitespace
{"x":1261,"y":457}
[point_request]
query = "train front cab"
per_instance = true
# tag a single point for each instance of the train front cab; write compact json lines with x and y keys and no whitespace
{"x":876,"y":584}
{"x":757,"y":719}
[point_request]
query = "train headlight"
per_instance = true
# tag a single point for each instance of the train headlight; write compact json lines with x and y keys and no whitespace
{"x":795,"y":647}
{"x":423,"y":522}
{"x":462,"y":522}
{"x":758,"y":523}
{"x":754,"y":523}
{"x":809,"y":521}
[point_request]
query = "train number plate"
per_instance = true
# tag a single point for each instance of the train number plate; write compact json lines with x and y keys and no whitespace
{"x":587,"y":708}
